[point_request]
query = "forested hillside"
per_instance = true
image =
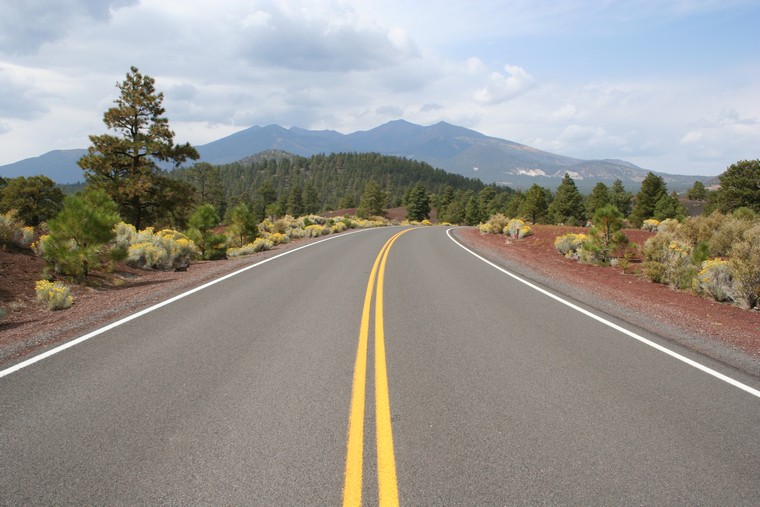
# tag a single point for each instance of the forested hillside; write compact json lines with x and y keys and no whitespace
{"x":321,"y":182}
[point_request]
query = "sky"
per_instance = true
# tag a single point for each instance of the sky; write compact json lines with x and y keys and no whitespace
{"x":670,"y":85}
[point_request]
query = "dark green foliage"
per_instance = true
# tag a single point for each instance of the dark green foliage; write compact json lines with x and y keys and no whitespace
{"x":35,"y":198}
{"x":77,"y":234}
{"x":567,"y":207}
{"x":606,"y":235}
{"x":472,"y":212}
{"x":202,"y":223}
{"x":243,"y":225}
{"x":418,"y":203}
{"x":125,"y":164}
{"x":295,"y":205}
{"x":208,"y":187}
{"x":620,"y":197}
{"x":337,"y":179}
{"x":599,"y":198}
{"x":652,"y":190}
{"x":372,"y":202}
{"x":668,"y":206}
{"x":697,"y":192}
{"x":739,"y":187}
{"x":535,"y":205}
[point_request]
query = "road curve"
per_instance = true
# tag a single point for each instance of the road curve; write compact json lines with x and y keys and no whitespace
{"x":241,"y":394}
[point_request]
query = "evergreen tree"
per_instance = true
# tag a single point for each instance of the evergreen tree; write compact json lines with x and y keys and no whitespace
{"x":418,"y":203}
{"x":536,"y":204}
{"x":606,"y":235}
{"x":125,"y":164}
{"x":652,"y":190}
{"x":202,"y":223}
{"x":472,"y":211}
{"x":243,"y":225}
{"x":567,"y":206}
{"x":621,"y":198}
{"x":669,"y":207}
{"x":35,"y":198}
{"x":295,"y":205}
{"x":697,"y":192}
{"x":311,"y":203}
{"x":77,"y":234}
{"x":372,"y":202}
{"x":599,"y":198}
{"x":739,"y":187}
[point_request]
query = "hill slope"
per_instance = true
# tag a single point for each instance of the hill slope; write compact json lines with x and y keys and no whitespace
{"x":455,"y":149}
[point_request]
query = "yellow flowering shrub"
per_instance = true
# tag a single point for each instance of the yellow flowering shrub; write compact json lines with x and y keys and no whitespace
{"x":650,"y":225}
{"x":517,"y":229}
{"x":715,"y":279}
{"x":55,"y":295}
{"x":570,"y":244}
{"x":315,"y":230}
{"x":338,"y":227}
{"x":258,"y":245}
{"x":164,"y":250}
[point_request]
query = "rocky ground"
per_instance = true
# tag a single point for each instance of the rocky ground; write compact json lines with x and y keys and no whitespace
{"x":729,"y":334}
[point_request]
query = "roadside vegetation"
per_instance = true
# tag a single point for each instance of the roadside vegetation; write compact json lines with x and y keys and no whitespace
{"x":144,"y":205}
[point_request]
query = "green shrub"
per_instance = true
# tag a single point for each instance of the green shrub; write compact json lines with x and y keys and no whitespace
{"x":745,"y":267}
{"x":668,"y":261}
{"x":55,"y":295}
{"x":606,"y":235}
{"x":3,"y":313}
{"x":79,"y":233}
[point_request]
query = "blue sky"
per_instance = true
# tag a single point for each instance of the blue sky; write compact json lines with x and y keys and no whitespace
{"x":669,"y":85}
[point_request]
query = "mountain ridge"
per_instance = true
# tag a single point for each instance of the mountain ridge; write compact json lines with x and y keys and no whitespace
{"x":449,"y":147}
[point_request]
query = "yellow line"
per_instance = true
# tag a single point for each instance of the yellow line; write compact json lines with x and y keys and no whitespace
{"x":386,"y":462}
{"x":352,"y":488}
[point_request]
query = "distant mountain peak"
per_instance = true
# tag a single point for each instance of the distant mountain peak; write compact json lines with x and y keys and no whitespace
{"x":443,"y":145}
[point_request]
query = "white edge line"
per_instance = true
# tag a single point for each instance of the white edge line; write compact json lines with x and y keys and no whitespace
{"x":690,"y":362}
{"x":77,"y":341}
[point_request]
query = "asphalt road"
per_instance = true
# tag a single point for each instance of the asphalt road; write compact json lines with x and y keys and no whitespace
{"x":242,"y":393}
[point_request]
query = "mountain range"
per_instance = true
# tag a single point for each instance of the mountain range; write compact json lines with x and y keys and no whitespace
{"x":449,"y":147}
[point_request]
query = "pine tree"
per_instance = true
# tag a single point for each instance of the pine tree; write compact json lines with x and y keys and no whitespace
{"x":567,"y":206}
{"x":125,"y":164}
{"x":740,"y":187}
{"x":372,"y":202}
{"x":652,"y":189}
{"x":35,"y":198}
{"x":697,"y":192}
{"x":418,"y":203}
{"x":535,"y":204}
{"x":599,"y":198}
{"x":77,"y":234}
{"x":621,"y":198}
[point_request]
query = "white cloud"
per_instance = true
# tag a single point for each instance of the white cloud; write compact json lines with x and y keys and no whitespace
{"x":504,"y":87}
{"x":27,"y":25}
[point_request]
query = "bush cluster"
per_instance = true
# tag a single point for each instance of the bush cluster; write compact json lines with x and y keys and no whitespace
{"x":13,"y":231}
{"x":716,"y":255}
{"x":570,"y":245}
{"x":165,"y":250}
{"x":55,"y":295}
{"x":517,"y":229}
{"x":258,"y":245}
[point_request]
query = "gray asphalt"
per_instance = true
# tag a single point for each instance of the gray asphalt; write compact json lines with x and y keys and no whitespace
{"x":239,"y":395}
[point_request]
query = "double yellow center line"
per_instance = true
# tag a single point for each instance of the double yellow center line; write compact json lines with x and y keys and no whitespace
{"x":386,"y":462}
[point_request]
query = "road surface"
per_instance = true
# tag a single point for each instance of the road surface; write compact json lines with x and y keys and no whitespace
{"x":288,"y":383}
